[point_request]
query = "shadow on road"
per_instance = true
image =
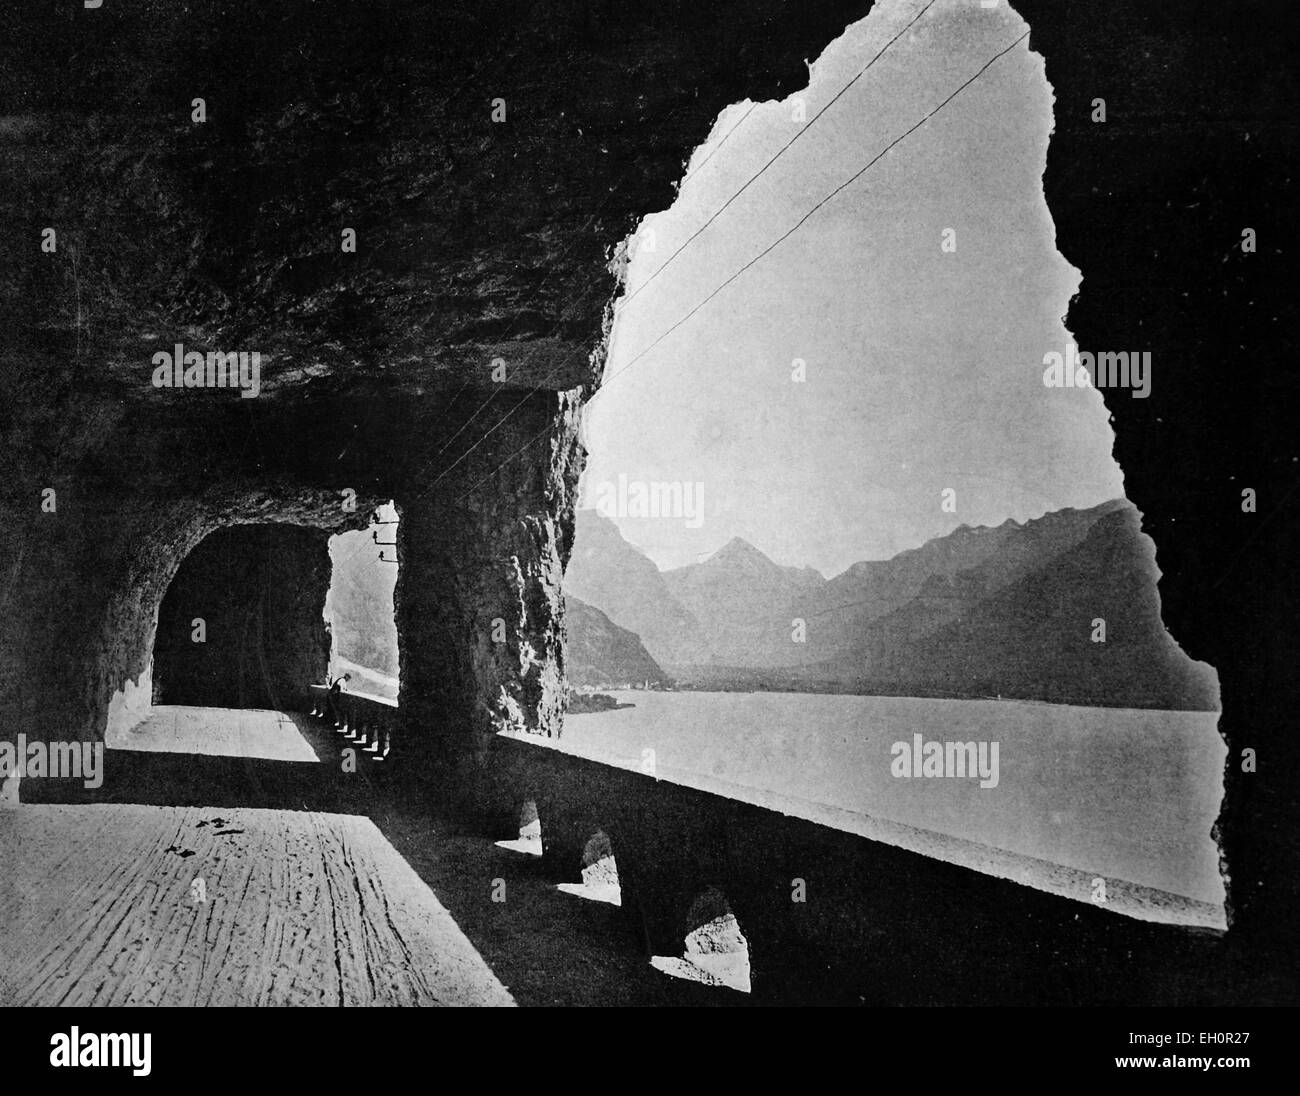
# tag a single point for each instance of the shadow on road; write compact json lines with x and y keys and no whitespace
{"x":547,"y":946}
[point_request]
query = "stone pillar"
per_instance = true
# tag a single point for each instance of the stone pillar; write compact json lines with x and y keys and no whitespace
{"x":481,"y":553}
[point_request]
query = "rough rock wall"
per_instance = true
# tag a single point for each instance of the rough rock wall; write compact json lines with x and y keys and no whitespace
{"x":478,"y":233}
{"x":1198,"y":145}
{"x":260,"y":592}
{"x":481,"y":552}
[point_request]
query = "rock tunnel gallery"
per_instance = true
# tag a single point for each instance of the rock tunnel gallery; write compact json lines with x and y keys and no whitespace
{"x":497,"y":501}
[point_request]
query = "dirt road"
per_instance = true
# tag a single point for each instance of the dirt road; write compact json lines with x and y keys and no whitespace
{"x":152,"y":905}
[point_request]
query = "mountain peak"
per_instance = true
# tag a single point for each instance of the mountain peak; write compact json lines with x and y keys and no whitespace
{"x":737,"y":546}
{"x":739,"y":554}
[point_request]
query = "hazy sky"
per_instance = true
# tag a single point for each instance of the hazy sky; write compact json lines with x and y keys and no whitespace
{"x":924,"y":368}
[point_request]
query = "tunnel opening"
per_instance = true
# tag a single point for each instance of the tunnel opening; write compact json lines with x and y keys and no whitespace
{"x":359,"y":606}
{"x":241,"y":624}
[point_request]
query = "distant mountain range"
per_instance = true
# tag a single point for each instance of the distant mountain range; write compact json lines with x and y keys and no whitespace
{"x":360,"y":609}
{"x":600,"y":653}
{"x":1008,"y":611}
{"x":607,"y":572}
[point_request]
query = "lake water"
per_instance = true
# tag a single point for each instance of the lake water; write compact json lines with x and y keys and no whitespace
{"x":1122,"y":794}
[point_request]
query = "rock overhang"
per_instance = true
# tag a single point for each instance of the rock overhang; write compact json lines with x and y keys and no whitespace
{"x":489,"y":162}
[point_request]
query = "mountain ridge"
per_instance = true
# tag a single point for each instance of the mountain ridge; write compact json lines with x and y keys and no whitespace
{"x":885,"y":625}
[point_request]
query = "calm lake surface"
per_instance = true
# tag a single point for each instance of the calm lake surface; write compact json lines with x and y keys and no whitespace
{"x":1123,"y":794}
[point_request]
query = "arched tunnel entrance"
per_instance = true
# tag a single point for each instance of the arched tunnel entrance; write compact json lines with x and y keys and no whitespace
{"x":216,"y":585}
{"x":242,"y":625}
